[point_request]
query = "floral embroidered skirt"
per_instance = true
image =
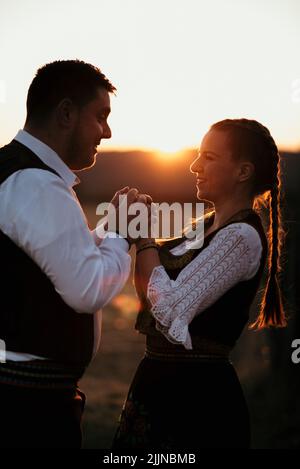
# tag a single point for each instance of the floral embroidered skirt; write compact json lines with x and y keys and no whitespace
{"x":181,"y":405}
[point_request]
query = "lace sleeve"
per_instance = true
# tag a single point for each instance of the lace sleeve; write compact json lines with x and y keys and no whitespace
{"x":233,"y":255}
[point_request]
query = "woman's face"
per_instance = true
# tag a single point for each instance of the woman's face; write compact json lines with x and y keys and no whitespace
{"x":215,"y":169}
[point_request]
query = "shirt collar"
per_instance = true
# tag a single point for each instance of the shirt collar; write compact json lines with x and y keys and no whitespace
{"x":48,"y":156}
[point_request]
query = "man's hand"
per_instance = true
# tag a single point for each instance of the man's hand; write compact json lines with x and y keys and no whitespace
{"x":121,"y":205}
{"x":115,"y":200}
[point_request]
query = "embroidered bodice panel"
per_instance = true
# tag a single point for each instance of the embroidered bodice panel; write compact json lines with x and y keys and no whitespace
{"x":233,"y":255}
{"x":230,"y":259}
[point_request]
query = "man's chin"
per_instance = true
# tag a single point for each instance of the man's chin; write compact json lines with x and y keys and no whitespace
{"x":82,"y":165}
{"x":92,"y":161}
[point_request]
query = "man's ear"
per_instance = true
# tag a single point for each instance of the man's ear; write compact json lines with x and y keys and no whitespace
{"x":246,"y":170}
{"x":66,"y":113}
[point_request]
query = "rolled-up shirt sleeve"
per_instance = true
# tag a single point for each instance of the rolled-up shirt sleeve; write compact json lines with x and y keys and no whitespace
{"x":49,"y":225}
{"x":233,"y":255}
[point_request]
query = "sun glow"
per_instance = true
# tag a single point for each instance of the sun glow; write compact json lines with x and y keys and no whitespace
{"x":178,"y":66}
{"x":167,"y":156}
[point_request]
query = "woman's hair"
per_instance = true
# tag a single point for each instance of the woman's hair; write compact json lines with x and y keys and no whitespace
{"x":253,"y":142}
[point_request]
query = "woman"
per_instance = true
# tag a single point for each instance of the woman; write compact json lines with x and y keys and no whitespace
{"x":195,"y":302}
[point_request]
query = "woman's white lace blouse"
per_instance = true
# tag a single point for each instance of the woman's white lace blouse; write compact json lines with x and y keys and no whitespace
{"x":233,"y":255}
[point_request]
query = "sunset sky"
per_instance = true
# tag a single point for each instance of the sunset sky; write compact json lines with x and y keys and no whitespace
{"x":179,"y":66}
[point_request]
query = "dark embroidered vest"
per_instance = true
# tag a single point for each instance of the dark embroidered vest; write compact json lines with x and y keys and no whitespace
{"x":34,"y":318}
{"x":223,"y":322}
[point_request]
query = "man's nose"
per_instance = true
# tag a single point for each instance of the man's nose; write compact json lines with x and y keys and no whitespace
{"x":106,"y":131}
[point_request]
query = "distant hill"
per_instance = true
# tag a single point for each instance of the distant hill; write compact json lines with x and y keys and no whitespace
{"x":166,"y":180}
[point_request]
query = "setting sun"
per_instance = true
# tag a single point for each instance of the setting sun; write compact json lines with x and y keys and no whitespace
{"x":167,"y":155}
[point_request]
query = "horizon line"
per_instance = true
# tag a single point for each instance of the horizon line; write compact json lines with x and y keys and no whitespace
{"x":133,"y":148}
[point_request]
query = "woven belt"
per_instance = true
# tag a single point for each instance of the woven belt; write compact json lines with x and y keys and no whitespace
{"x":203,"y":350}
{"x":40,"y":374}
{"x":185,"y":357}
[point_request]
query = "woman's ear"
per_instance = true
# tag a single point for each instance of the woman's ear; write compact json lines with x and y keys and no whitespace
{"x":246,"y":170}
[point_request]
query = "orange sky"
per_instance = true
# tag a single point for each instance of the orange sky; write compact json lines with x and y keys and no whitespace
{"x":178,"y":66}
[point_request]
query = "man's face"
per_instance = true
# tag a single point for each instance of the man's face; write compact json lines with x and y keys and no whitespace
{"x":90,"y":128}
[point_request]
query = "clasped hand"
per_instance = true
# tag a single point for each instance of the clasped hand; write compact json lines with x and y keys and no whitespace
{"x":132,"y":196}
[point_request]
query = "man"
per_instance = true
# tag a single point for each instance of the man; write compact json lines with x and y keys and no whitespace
{"x":57,"y":274}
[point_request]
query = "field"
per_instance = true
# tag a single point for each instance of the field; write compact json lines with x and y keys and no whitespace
{"x":108,"y":377}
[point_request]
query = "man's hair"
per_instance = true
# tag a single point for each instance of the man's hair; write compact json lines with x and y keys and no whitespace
{"x":73,"y":79}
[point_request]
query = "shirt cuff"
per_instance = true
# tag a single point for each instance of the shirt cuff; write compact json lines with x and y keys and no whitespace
{"x":115,"y":240}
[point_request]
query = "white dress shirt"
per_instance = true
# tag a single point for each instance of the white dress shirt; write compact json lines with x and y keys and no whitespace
{"x":41,"y":214}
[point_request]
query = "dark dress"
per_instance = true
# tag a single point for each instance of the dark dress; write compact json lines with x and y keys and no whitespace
{"x":181,"y":399}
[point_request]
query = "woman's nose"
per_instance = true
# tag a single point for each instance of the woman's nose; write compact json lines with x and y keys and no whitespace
{"x":196,"y":166}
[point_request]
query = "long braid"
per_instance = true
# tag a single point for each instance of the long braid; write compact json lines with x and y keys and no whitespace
{"x":256,"y":143}
{"x":271,"y":310}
